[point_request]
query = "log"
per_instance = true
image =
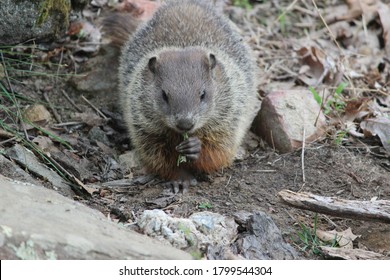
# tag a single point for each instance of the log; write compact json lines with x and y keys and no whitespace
{"x":376,"y":211}
{"x":351,"y":254}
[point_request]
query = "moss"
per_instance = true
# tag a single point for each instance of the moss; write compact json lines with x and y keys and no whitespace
{"x":49,"y":7}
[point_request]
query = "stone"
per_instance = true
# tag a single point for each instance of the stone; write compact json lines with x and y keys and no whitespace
{"x":41,"y":20}
{"x":26,"y":158}
{"x":37,"y":113}
{"x":199,"y":230}
{"x":263,"y":240}
{"x":283,"y":117}
{"x":11,"y":170}
{"x":37,"y":223}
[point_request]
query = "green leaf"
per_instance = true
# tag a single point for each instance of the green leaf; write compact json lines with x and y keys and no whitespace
{"x":340,"y":88}
{"x":316,"y":96}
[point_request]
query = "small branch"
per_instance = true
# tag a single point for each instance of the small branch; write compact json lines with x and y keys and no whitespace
{"x":377,"y":211}
{"x":71,"y":101}
{"x":54,"y":111}
{"x":303,"y":156}
{"x":95,"y":108}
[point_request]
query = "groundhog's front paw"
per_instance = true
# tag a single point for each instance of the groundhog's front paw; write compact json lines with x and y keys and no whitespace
{"x":190,"y":148}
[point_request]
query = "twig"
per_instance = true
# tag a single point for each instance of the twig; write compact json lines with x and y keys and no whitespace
{"x":71,"y":101}
{"x":94,"y":107}
{"x":228,"y":182}
{"x":59,"y":64}
{"x":56,"y":115}
{"x":67,"y":124}
{"x":303,"y":157}
{"x":8,"y":140}
{"x":285,"y":11}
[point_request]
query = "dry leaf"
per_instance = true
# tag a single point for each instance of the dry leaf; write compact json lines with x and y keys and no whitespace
{"x":384,"y":16}
{"x":141,"y":9}
{"x":317,"y":67}
{"x":378,"y":126}
{"x":344,"y":238}
{"x":356,"y":109}
{"x":368,"y":8}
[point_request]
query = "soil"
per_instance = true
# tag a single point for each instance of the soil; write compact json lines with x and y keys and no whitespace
{"x":353,"y":170}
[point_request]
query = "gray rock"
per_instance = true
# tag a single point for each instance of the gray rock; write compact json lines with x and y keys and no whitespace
{"x":264,"y":240}
{"x":27,"y":158}
{"x":19,"y":20}
{"x":37,"y":223}
{"x":12,"y":170}
{"x":96,"y":134}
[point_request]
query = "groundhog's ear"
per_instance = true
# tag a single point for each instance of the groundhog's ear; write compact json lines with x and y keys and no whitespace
{"x":212,"y":61}
{"x":152,"y":64}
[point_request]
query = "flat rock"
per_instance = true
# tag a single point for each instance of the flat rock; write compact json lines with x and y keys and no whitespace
{"x":37,"y":223}
{"x":284,"y":117}
{"x":27,"y":159}
{"x":18,"y":21}
{"x":11,"y":170}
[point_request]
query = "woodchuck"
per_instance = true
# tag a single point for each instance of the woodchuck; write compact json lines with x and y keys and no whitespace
{"x":187,"y":71}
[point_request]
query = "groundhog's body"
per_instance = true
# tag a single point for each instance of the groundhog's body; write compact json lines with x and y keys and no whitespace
{"x":187,"y":70}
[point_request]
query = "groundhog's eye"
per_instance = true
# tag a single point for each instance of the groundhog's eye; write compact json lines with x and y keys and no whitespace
{"x":165,"y":96}
{"x":202,"y":95}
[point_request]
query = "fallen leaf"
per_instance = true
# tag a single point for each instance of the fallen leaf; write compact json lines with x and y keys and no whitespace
{"x":357,"y":8}
{"x":379,"y":126}
{"x":384,"y":16}
{"x":317,"y":67}
{"x":344,"y":238}
{"x":141,"y":9}
{"x":356,"y":109}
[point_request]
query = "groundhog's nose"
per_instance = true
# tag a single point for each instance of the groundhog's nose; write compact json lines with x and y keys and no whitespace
{"x":184,"y":124}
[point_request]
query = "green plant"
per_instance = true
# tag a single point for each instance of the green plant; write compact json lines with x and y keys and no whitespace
{"x":182,"y":158}
{"x":334,"y":103}
{"x":187,"y":234}
{"x":243,"y":4}
{"x":205,"y":205}
{"x":309,"y":241}
{"x":282,"y":22}
{"x":340,"y":136}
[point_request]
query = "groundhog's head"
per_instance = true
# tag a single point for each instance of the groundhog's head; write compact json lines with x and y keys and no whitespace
{"x":183,"y":83}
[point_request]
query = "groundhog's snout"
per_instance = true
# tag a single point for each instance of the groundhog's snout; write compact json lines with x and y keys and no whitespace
{"x":184,"y":124}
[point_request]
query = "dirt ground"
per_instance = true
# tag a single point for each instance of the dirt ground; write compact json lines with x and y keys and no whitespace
{"x":354,"y":169}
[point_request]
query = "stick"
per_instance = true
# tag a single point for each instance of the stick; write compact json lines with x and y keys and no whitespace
{"x":376,"y":211}
{"x":71,"y":101}
{"x":54,"y":111}
{"x":94,"y":107}
{"x":303,"y":156}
